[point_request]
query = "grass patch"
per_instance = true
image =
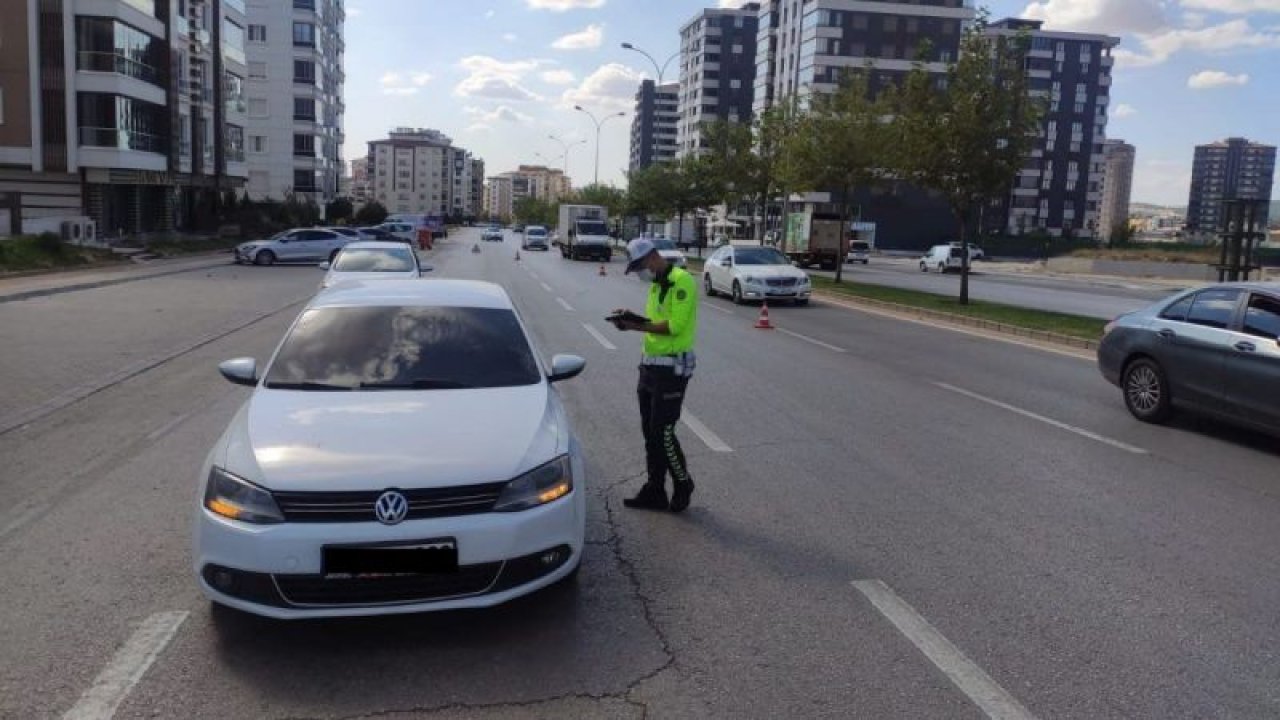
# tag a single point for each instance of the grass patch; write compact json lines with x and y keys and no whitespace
{"x":1076,"y":326}
{"x":28,"y":253}
{"x":1153,"y":253}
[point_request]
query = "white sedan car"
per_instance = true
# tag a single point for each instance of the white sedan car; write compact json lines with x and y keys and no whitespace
{"x":755,"y":272}
{"x":404,"y":450}
{"x":373,"y":261}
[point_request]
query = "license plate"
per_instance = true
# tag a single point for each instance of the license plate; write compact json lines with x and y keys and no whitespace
{"x":782,"y":292}
{"x":371,"y":561}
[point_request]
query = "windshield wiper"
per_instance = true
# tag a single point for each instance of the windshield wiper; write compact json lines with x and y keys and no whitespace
{"x":308,"y":386}
{"x":417,"y":384}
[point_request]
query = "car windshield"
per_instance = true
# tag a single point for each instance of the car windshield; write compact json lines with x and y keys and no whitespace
{"x":759,"y":256}
{"x":664,"y":244}
{"x":592,"y":227}
{"x":374,"y":260}
{"x":403,"y":348}
{"x":537,"y":231}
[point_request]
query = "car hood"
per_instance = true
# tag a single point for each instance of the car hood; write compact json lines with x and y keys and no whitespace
{"x":769,"y":271}
{"x":289,"y":440}
{"x":333,"y":278}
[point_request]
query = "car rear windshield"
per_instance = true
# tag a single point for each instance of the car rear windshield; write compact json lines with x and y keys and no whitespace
{"x":759,"y":256}
{"x":404,"y":348}
{"x":592,"y":227}
{"x":859,"y":246}
{"x":371,"y":260}
{"x":536,"y":231}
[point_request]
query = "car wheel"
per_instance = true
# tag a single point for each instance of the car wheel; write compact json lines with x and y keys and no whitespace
{"x":737,"y":293}
{"x":1146,"y":391}
{"x":706,"y":283}
{"x":866,"y":262}
{"x":264,"y":257}
{"x":923,"y":268}
{"x":942,"y":268}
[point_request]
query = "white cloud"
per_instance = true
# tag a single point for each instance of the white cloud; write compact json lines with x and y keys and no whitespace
{"x":502,"y":113}
{"x":589,"y":38}
{"x":509,"y":37}
{"x":558,"y":77}
{"x":731,"y":4}
{"x":1195,"y":20}
{"x":421,"y":78}
{"x":611,"y":87}
{"x":1234,"y":6}
{"x":563,"y":5}
{"x":1111,"y":16}
{"x":1228,"y":36}
{"x":495,"y":79}
{"x":1206,"y":79}
{"x":394,"y":83}
{"x":1123,"y":111}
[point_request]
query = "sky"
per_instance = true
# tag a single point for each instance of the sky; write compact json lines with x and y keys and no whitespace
{"x":501,"y":77}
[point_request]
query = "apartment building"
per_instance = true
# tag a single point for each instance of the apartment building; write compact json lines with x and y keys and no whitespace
{"x":498,"y":202}
{"x":1232,"y":169}
{"x":1060,"y":187}
{"x":1117,"y":186}
{"x":294,"y":92}
{"x":129,"y":114}
{"x":421,"y":171}
{"x":653,"y":129}
{"x":361,"y":188}
{"x":717,"y":71}
{"x":476,"y":191}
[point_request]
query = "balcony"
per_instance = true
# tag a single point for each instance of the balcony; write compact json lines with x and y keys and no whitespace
{"x":118,"y":139}
{"x":119,"y":64}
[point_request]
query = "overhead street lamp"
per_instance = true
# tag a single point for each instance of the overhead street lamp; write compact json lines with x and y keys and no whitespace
{"x":599,"y":123}
{"x":661,"y":70}
{"x":566,"y":146}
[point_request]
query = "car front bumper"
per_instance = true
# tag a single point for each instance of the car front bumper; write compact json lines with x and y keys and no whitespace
{"x":752,"y":292}
{"x":275,"y":570}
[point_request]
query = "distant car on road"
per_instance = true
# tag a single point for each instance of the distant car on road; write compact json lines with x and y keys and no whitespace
{"x":309,"y":245}
{"x":380,"y":234}
{"x":755,"y":273}
{"x":517,"y":228}
{"x":404,"y":231}
{"x":858,"y":252}
{"x":1214,"y":350}
{"x":535,"y":238}
{"x":669,"y":252}
{"x":492,"y":233}
{"x":361,"y":476}
{"x":975,"y":252}
{"x":942,"y":258}
{"x":372,"y":261}
{"x":352,"y":234}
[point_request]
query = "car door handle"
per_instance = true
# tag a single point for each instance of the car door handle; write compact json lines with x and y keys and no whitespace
{"x":1168,"y":334}
{"x":1246,"y":346}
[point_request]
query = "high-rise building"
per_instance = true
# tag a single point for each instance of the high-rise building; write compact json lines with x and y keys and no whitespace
{"x":476,"y":191}
{"x":498,"y":203}
{"x":540,"y":182}
{"x":420,"y":171}
{"x":1233,"y":169}
{"x":126,"y":112}
{"x":1059,"y":189}
{"x":717,"y":71}
{"x":1117,"y":186}
{"x":295,"y":108}
{"x":653,"y":129}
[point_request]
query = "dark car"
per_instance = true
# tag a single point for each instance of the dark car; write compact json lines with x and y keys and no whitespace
{"x":1214,"y":350}
{"x":381,"y":235}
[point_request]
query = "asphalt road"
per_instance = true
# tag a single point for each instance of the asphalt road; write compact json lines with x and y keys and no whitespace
{"x":893,"y":520}
{"x":1091,"y":297}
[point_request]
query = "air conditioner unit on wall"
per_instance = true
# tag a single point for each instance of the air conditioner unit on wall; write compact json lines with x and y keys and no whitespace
{"x":72,"y":231}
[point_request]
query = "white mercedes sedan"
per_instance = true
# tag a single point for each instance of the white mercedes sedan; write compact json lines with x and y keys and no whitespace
{"x":404,"y":450}
{"x":372,"y":261}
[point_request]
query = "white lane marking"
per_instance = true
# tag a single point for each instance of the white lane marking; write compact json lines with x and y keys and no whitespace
{"x":127,"y":667}
{"x":717,"y":308}
{"x":599,"y":338}
{"x":547,"y":287}
{"x":532,"y":274}
{"x":1048,"y":421}
{"x":165,"y":428}
{"x":808,"y":339}
{"x":711,"y":440}
{"x":564,"y":304}
{"x":972,"y":680}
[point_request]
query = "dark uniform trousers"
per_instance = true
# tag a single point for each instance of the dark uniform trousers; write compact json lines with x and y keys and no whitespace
{"x":661,"y":393}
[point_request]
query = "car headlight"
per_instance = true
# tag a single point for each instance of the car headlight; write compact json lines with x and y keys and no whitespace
{"x":751,"y":280}
{"x":539,"y":486}
{"x":238,"y":499}
{"x":804,"y":280}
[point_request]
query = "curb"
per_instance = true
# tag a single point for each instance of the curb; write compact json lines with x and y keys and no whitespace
{"x":964,"y":320}
{"x":93,"y":284}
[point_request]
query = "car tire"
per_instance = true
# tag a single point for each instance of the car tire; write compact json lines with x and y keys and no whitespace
{"x":923,"y":267}
{"x":706,"y":284}
{"x":866,"y":262}
{"x":737,"y":293}
{"x":1146,"y":391}
{"x":942,"y":268}
{"x":264,"y":257}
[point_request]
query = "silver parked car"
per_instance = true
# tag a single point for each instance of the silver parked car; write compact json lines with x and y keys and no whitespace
{"x":1213,"y":350}
{"x":310,"y":245}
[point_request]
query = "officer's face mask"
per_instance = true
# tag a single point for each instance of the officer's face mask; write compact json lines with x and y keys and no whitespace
{"x":645,"y":275}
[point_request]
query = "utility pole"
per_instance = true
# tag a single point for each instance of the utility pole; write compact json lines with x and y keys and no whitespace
{"x":598,"y":123}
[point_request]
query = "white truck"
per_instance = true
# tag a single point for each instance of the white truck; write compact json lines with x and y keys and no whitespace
{"x":584,"y":233}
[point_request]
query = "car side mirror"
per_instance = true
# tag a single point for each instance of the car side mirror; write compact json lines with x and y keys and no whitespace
{"x":240,"y":371}
{"x":564,"y":367}
{"x":325,"y":265}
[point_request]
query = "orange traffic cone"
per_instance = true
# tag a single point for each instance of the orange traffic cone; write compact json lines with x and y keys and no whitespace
{"x":602,"y":271}
{"x":762,"y":323}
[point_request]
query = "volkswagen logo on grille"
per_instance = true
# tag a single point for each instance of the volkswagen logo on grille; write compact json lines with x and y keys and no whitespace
{"x":391,"y":507}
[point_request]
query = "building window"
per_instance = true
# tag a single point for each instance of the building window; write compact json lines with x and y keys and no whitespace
{"x":257,"y":143}
{"x":232,"y":41}
{"x":258,"y":33}
{"x":234,"y":144}
{"x":304,"y":108}
{"x":304,"y":180}
{"x":110,"y":46}
{"x":304,"y":71}
{"x":304,"y":34}
{"x":304,"y":145}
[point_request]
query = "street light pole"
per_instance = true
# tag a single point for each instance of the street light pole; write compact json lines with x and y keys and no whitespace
{"x":661,"y":70}
{"x":599,"y":123}
{"x":566,"y":146}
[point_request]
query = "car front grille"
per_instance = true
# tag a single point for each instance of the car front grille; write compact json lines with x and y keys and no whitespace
{"x":357,"y":506}
{"x":780,"y":282}
{"x":321,"y":590}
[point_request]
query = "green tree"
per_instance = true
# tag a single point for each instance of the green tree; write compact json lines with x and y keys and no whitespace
{"x":611,"y":198}
{"x":371,"y":213}
{"x":339,"y":210}
{"x":968,"y":140}
{"x":533,"y":211}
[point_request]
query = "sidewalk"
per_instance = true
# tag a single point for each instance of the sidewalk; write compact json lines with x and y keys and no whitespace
{"x":29,"y":286}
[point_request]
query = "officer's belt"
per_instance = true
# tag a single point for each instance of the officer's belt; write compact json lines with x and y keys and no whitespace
{"x":665,"y":360}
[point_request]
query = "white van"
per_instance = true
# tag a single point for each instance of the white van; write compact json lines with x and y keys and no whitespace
{"x":942,"y":258}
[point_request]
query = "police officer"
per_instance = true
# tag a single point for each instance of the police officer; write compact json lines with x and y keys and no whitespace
{"x":670,"y":324}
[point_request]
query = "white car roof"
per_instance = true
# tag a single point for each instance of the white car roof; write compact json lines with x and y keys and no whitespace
{"x":414,"y":293}
{"x":375,"y":245}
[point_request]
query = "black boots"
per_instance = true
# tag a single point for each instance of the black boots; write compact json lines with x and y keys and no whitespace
{"x":650,"y":497}
{"x":680,"y":496}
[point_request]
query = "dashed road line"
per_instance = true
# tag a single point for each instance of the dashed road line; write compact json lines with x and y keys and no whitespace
{"x":994,"y":701}
{"x":165,"y":428}
{"x":808,"y":339}
{"x":127,"y":667}
{"x":564,"y":304}
{"x":1041,"y":418}
{"x":547,"y":287}
{"x":599,"y":338}
{"x":704,"y":433}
